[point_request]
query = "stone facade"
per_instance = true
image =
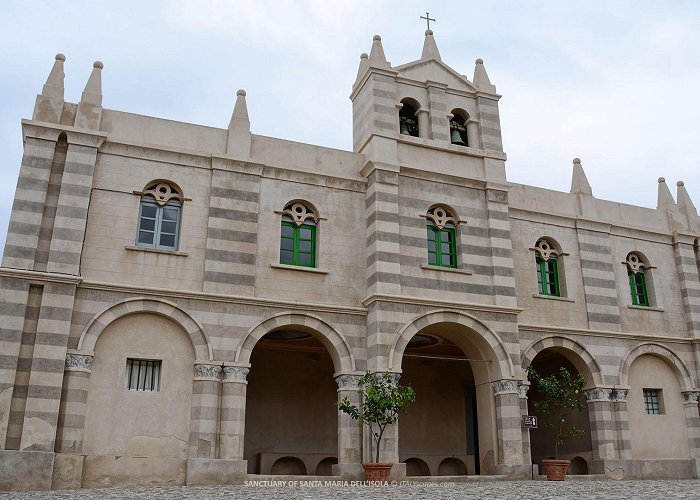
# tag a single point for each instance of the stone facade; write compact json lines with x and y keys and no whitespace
{"x":137,"y":243}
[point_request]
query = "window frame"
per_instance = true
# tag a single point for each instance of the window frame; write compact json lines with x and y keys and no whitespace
{"x":451,"y":232}
{"x":638,"y":288}
{"x":155,"y":367}
{"x":148,"y":200}
{"x":297,"y":239}
{"x":653,"y":401}
{"x":546,"y":269}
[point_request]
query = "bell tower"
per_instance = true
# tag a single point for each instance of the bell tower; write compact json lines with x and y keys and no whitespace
{"x":427,"y":104}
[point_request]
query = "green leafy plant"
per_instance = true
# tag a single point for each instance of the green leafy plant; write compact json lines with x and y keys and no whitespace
{"x":383,"y":402}
{"x":560,"y":395}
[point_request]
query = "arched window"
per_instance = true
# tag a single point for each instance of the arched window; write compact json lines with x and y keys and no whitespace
{"x":458,"y":128}
{"x":298,"y":235}
{"x":442,"y":237}
{"x":159,"y":217}
{"x":546,"y":259}
{"x":637,"y":270}
{"x":408,"y":121}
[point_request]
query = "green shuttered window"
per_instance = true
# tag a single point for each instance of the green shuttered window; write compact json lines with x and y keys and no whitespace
{"x":548,"y":276}
{"x":442,"y":246}
{"x":298,"y":243}
{"x":638,"y":288}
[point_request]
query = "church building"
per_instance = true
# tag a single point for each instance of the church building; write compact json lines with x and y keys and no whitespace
{"x":183,"y":304}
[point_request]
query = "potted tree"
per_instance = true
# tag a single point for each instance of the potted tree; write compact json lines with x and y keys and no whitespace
{"x":560,"y":396}
{"x":382,"y":402}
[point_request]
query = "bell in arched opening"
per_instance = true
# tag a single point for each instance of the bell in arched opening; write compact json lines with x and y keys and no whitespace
{"x":458,"y":132}
{"x":408,"y":120}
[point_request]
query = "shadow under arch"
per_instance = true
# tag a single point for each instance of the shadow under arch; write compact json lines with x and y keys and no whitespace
{"x":667,"y":355}
{"x":583,"y":361}
{"x":334,"y":342}
{"x":193,"y":328}
{"x":489,"y":345}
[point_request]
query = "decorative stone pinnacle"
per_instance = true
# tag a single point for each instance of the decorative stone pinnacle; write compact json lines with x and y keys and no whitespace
{"x":377,"y":38}
{"x":60,"y":57}
{"x":661,"y":179}
{"x":364,"y":55}
{"x":479,"y":61}
{"x":680,"y":183}
{"x":241,"y":92}
{"x":428,"y":32}
{"x":98,"y":65}
{"x":577,"y":161}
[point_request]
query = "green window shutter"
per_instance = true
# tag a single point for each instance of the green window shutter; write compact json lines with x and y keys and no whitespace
{"x":638,"y":288}
{"x":442,"y":246}
{"x":547,"y":276}
{"x":298,"y":244}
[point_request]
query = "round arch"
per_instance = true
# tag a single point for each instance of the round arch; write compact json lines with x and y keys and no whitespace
{"x":583,"y":361}
{"x":193,"y":328}
{"x":498,"y":352}
{"x":332,"y":340}
{"x":678,"y":366}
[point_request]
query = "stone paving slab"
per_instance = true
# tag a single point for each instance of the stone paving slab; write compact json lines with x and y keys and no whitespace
{"x":309,"y":490}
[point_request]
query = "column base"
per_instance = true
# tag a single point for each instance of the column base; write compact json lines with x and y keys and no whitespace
{"x":522,"y":471}
{"x":202,"y":471}
{"x":25,"y":470}
{"x":646,"y":469}
{"x":67,"y":471}
{"x":349,"y":472}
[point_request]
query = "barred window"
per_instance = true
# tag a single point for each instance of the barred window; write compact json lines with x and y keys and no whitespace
{"x":652,"y":401}
{"x":142,"y":374}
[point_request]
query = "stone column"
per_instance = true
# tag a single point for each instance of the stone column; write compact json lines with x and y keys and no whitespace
{"x":618,"y":397}
{"x":349,"y":431}
{"x":233,"y":400}
{"x":601,"y":422}
{"x":205,"y":410}
{"x":692,"y":422}
{"x":473,"y":134}
{"x":522,"y":395}
{"x":510,"y":445}
{"x":71,"y":416}
{"x":423,"y":116}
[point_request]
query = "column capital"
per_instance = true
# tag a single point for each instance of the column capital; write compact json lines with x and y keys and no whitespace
{"x":505,"y":386}
{"x":597,"y":394}
{"x":523,"y":387}
{"x":78,"y":362}
{"x":206,"y":371}
{"x":619,"y":395}
{"x":236,"y":374}
{"x":348,"y":382}
{"x":691,"y":397}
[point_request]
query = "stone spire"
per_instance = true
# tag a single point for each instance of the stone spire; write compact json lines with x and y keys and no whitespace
{"x":579,"y":181}
{"x":54,"y":83}
{"x":665,"y":201}
{"x":239,"y":137}
{"x":377,"y":59}
{"x":430,"y":49}
{"x":481,"y":78}
{"x":49,"y":104}
{"x":90,"y":107}
{"x":364,"y":66}
{"x":685,"y":204}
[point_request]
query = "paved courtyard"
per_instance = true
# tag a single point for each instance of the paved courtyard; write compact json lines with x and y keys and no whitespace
{"x":579,"y":490}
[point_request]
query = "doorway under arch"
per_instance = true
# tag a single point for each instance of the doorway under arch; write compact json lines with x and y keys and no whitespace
{"x":290,"y":412}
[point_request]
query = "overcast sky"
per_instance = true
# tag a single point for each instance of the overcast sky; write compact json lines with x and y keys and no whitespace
{"x":616,"y":83}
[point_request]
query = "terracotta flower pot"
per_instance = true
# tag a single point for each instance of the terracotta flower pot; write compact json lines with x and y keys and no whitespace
{"x":377,"y":472}
{"x":555,"y":469}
